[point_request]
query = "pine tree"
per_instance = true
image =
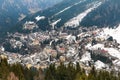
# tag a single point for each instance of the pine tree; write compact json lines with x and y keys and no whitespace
{"x":48,"y":75}
{"x":4,"y":69}
{"x":40,"y":75}
{"x":12,"y":76}
{"x":18,"y":70}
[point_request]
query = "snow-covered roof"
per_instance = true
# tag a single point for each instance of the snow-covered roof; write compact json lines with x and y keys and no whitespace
{"x":86,"y":57}
{"x":89,"y":46}
{"x":113,"y":52}
{"x":99,"y":65}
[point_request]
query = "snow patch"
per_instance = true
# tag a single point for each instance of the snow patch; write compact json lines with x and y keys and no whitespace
{"x":63,"y":10}
{"x":38,"y":18}
{"x":116,"y":62}
{"x":2,"y":48}
{"x":68,"y":7}
{"x":54,"y":23}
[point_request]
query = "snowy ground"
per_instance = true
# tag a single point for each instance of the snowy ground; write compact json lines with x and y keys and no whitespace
{"x":115,"y":33}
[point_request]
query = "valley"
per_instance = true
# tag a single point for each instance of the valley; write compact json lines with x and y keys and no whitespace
{"x":60,"y":40}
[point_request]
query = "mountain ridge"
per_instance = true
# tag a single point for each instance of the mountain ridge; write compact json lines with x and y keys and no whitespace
{"x":102,"y":15}
{"x":13,"y":11}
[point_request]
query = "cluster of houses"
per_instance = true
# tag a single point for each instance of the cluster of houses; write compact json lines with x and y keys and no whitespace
{"x":57,"y":46}
{"x":30,"y":25}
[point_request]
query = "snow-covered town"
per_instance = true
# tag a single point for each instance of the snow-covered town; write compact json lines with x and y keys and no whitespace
{"x":59,"y":39}
{"x":99,"y":47}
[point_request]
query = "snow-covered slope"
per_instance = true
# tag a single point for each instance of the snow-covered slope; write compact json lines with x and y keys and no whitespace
{"x":67,"y":13}
{"x":77,"y":13}
{"x":106,"y":15}
{"x":75,"y":22}
{"x":115,"y":33}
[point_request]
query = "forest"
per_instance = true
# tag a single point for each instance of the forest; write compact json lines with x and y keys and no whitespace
{"x":62,"y":72}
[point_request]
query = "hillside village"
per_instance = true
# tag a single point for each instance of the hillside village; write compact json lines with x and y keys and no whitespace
{"x":60,"y":40}
{"x":88,"y":46}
